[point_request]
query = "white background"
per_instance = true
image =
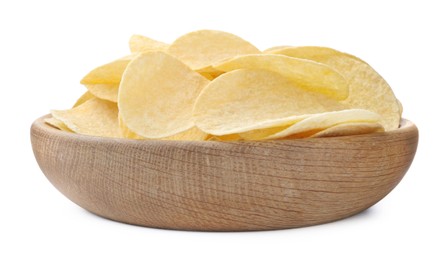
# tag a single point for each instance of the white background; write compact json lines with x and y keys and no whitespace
{"x":47,"y":46}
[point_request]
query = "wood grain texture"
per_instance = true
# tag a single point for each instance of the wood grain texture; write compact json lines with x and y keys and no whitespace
{"x":224,"y":186}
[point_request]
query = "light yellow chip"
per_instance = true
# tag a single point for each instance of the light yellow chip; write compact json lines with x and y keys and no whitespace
{"x":248,"y":99}
{"x":104,"y":91}
{"x":57,"y":124}
{"x":139,"y":43}
{"x":110,"y":73}
{"x":125,"y":131}
{"x":204,"y":48}
{"x":275,"y":49}
{"x":82,"y":99}
{"x":157,"y":94}
{"x":192,"y":134}
{"x":307,"y":74}
{"x":318,"y":122}
{"x":94,"y":117}
{"x":350,"y":129}
{"x":368,"y":90}
{"x":223,"y":138}
{"x":400,"y":106}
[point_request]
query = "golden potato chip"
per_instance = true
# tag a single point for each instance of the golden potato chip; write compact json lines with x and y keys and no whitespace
{"x":85,"y":97}
{"x":307,"y":74}
{"x":201,"y":49}
{"x":109,"y":73}
{"x":157,"y":94}
{"x":210,"y":72}
{"x":368,"y":90}
{"x":104,"y":91}
{"x":321,"y":121}
{"x":223,"y":138}
{"x":192,"y":134}
{"x":57,"y":124}
{"x":139,"y":43}
{"x":125,"y":131}
{"x":350,"y":129}
{"x":275,"y":48}
{"x":248,"y":99}
{"x":400,"y":106}
{"x":94,"y":117}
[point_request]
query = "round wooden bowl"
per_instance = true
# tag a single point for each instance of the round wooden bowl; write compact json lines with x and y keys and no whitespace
{"x":224,"y":186}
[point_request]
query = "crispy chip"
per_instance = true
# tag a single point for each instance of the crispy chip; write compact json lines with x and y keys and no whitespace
{"x":109,"y":73}
{"x":400,"y":107}
{"x":201,"y":49}
{"x":192,"y":134}
{"x":350,"y":129}
{"x":85,"y":97}
{"x":248,"y":99}
{"x":275,"y":49}
{"x":307,"y":74}
{"x":104,"y":91}
{"x":157,"y":94}
{"x":368,"y":90}
{"x":57,"y":124}
{"x":94,"y":117}
{"x":318,"y":122}
{"x":139,"y":43}
{"x":125,"y":131}
{"x":223,"y":138}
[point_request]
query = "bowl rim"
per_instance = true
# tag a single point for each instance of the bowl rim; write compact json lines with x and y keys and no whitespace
{"x":40,"y":124}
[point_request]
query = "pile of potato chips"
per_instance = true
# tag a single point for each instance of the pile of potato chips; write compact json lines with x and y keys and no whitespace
{"x":213,"y":85}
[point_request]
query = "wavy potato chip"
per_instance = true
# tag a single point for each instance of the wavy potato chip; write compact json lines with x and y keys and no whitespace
{"x":125,"y":131}
{"x":368,"y":90}
{"x":104,"y":91}
{"x":201,"y":49}
{"x":157,"y":94}
{"x":223,"y":138}
{"x":139,"y":43}
{"x":57,"y":124}
{"x":192,"y":134}
{"x":94,"y":117}
{"x":110,"y":73}
{"x":273,"y":49}
{"x":248,"y":99}
{"x":350,"y":129}
{"x":82,"y":99}
{"x":318,"y":122}
{"x":307,"y":74}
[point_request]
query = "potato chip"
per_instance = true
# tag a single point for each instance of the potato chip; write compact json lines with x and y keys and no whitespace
{"x":307,"y":74}
{"x":400,"y":107}
{"x":139,"y":43}
{"x":350,"y":129}
{"x":94,"y":117}
{"x":201,"y":49}
{"x":192,"y":134}
{"x":248,"y":99}
{"x":275,"y":48}
{"x":104,"y":91}
{"x":223,"y":138}
{"x":368,"y":90}
{"x":157,"y":94}
{"x":318,"y":122}
{"x":109,"y":73}
{"x":125,"y":131}
{"x":85,"y":97}
{"x":57,"y":124}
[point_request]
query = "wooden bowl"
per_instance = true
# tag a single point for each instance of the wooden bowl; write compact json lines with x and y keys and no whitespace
{"x":224,"y":186}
